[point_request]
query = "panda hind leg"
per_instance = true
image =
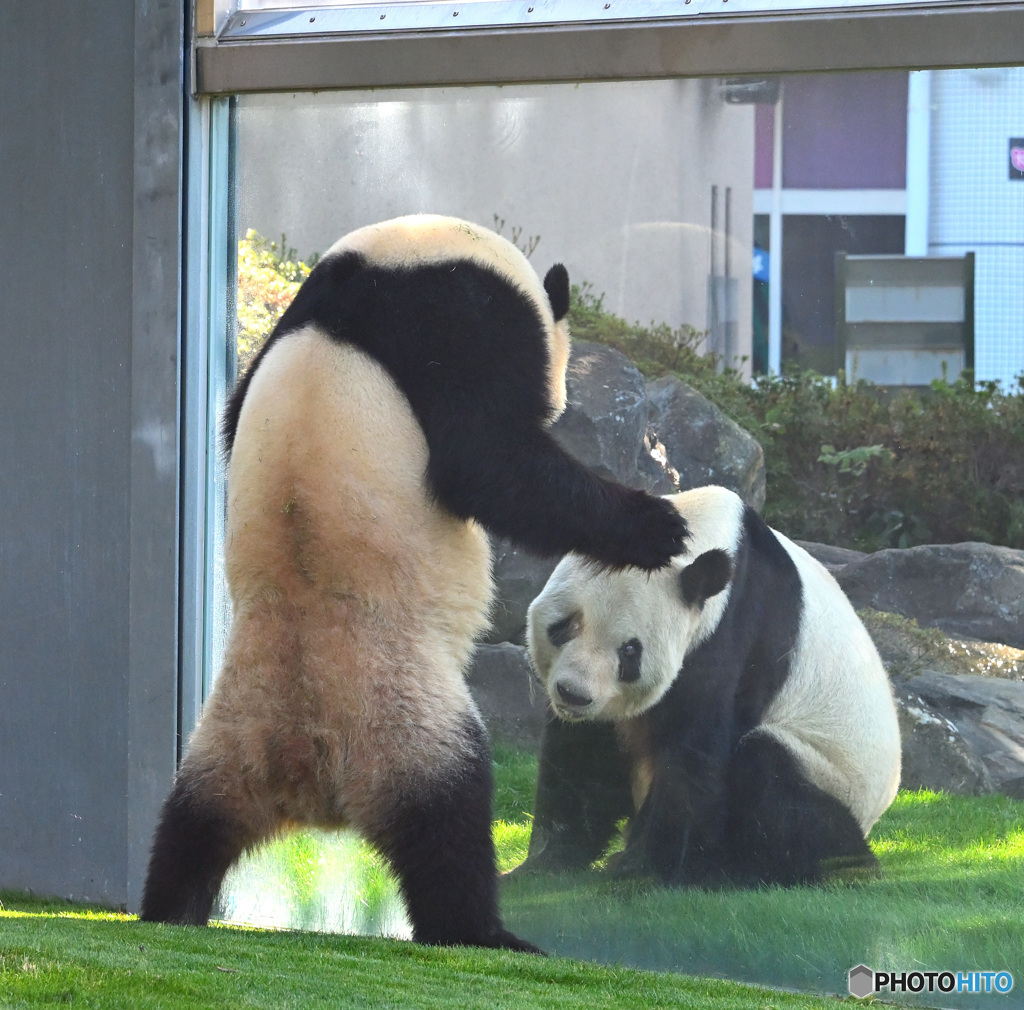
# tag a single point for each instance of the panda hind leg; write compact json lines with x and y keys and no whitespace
{"x":195,"y":844}
{"x":782,"y":829}
{"x":438,"y":841}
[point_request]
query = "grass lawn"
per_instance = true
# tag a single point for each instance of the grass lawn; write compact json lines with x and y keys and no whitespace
{"x":57,"y":954}
{"x":951,"y":898}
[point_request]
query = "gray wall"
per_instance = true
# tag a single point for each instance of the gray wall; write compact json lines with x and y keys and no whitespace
{"x":90,"y":137}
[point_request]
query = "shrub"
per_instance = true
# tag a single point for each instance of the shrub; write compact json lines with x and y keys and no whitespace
{"x":268,"y":277}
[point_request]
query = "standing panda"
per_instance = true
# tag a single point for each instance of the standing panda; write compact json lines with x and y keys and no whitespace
{"x":403,"y":398}
{"x":732,"y":705}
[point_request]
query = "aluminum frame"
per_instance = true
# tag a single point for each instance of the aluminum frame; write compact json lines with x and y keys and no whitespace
{"x":209,"y":369}
{"x":516,"y":41}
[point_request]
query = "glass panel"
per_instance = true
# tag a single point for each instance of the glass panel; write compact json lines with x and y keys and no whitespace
{"x":710,"y":217}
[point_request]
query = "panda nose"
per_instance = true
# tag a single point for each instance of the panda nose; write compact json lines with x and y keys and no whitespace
{"x":571,"y":697}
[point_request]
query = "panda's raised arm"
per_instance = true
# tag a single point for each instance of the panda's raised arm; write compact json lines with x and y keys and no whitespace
{"x":471,"y":348}
{"x":522,"y":485}
{"x":472,"y":353}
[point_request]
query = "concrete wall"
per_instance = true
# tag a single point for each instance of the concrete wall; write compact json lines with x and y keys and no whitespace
{"x":615,"y":178}
{"x":90,"y":116}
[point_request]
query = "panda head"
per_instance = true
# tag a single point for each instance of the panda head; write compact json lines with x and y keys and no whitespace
{"x":607,"y":645}
{"x":426,"y":239}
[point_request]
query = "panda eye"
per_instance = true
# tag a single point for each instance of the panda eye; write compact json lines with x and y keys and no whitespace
{"x":564,"y":631}
{"x":630,"y":654}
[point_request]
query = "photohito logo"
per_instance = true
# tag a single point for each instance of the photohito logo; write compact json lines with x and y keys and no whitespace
{"x":864,"y":982}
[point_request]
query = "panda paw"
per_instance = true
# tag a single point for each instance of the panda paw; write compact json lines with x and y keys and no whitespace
{"x":504,"y":940}
{"x":628,"y":864}
{"x":651,"y":532}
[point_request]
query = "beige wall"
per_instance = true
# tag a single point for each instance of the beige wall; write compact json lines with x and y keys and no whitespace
{"x":615,"y":178}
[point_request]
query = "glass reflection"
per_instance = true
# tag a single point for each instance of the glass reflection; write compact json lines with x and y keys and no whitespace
{"x":713,"y":212}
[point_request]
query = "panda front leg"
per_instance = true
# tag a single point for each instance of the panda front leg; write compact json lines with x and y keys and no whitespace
{"x":676,"y":833}
{"x":583,"y":790}
{"x":437,"y":837}
{"x":665,"y":839}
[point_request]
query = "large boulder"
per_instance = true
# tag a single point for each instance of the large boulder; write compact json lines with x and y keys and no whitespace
{"x":989,"y":714}
{"x":701,"y":444}
{"x":833,"y":558}
{"x":970,"y":589}
{"x":935,"y":754}
{"x":908,"y":650}
{"x":605,"y":418}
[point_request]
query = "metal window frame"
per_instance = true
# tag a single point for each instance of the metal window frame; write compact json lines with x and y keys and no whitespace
{"x":344,"y":46}
{"x":209,"y":368}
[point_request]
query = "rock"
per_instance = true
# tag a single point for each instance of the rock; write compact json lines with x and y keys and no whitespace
{"x":835,"y":559}
{"x":970,"y":589}
{"x":518,"y":577}
{"x":512,"y":703}
{"x":702,"y":444}
{"x":605,"y":419}
{"x":989,"y":713}
{"x":935,"y":754}
{"x":908,"y":650}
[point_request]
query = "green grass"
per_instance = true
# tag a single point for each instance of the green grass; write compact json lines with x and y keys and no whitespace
{"x":57,"y":954}
{"x":951,"y":897}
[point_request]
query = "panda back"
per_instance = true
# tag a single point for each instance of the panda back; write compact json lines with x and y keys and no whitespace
{"x":835,"y":712}
{"x":327,"y":492}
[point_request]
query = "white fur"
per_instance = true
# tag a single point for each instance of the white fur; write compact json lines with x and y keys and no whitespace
{"x":835,"y":713}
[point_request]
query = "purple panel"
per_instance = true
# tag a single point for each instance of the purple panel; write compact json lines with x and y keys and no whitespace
{"x":764,"y":122}
{"x":845,"y":131}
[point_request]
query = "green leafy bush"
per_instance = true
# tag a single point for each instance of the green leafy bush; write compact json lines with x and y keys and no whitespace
{"x":268,"y":277}
{"x":854,"y":465}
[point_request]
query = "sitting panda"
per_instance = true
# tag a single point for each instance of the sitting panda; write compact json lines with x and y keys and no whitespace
{"x":731,"y":705}
{"x":403,"y":398}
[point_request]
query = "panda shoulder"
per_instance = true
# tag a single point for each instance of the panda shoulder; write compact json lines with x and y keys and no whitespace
{"x":424,"y":240}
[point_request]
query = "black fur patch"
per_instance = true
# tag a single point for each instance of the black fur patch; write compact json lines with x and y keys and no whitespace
{"x":469,"y":351}
{"x":630,"y":658}
{"x":564,"y":631}
{"x":707,"y":576}
{"x":438,"y":841}
{"x":782,"y":829}
{"x":556,"y":284}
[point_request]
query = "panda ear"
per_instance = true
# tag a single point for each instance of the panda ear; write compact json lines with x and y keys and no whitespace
{"x":709,"y":574}
{"x":556,"y":284}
